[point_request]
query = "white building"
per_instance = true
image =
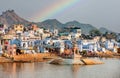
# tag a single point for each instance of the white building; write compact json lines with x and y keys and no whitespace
{"x":88,"y":45}
{"x":2,"y":28}
{"x":109,"y":45}
{"x":55,"y":32}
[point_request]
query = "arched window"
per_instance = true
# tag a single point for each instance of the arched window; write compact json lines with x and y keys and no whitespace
{"x":24,"y":44}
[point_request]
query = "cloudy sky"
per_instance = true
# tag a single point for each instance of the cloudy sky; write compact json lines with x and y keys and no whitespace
{"x":99,"y":13}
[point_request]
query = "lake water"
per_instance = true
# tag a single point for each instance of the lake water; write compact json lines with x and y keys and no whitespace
{"x":111,"y":69}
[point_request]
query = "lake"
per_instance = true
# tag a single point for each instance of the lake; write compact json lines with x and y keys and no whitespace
{"x":111,"y":69}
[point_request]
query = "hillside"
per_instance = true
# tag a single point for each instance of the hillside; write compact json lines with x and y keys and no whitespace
{"x":51,"y":23}
{"x":104,"y":30}
{"x":10,"y":17}
{"x":54,"y":23}
{"x":86,"y":28}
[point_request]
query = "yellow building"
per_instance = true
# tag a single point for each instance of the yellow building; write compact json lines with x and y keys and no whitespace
{"x":19,"y":28}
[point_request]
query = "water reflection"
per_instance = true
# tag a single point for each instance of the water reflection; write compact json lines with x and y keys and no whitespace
{"x":14,"y":70}
{"x":44,"y":70}
{"x":10,"y":69}
{"x":75,"y":70}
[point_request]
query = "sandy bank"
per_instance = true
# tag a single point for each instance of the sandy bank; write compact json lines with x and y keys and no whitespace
{"x":27,"y":57}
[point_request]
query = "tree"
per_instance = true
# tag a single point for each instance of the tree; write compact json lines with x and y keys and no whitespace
{"x":95,"y":32}
{"x":119,"y":40}
{"x":111,"y":35}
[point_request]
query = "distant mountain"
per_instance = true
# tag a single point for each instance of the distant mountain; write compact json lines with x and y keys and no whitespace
{"x":54,"y":23}
{"x":10,"y":17}
{"x":104,"y":30}
{"x":86,"y":28}
{"x":51,"y":23}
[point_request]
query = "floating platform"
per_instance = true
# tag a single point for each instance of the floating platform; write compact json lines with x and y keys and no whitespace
{"x":86,"y":61}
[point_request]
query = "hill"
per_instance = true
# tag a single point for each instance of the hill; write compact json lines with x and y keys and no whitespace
{"x":51,"y":23}
{"x":10,"y":17}
{"x":86,"y":28}
{"x":104,"y":30}
{"x":54,"y":23}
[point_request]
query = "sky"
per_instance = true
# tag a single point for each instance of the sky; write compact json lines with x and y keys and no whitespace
{"x":99,"y":13}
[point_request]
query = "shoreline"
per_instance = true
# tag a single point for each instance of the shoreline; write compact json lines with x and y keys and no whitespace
{"x":41,"y":57}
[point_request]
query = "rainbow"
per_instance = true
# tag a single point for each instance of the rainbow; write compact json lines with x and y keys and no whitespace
{"x":53,"y":9}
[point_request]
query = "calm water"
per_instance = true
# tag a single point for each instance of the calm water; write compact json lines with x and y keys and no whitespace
{"x":111,"y":69}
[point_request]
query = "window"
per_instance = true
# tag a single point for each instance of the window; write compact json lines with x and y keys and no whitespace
{"x":24,"y":45}
{"x":5,"y":47}
{"x":21,"y":26}
{"x":16,"y":26}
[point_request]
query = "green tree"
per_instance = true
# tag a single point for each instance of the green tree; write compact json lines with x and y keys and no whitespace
{"x":119,"y":40}
{"x":111,"y":35}
{"x":95,"y":32}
